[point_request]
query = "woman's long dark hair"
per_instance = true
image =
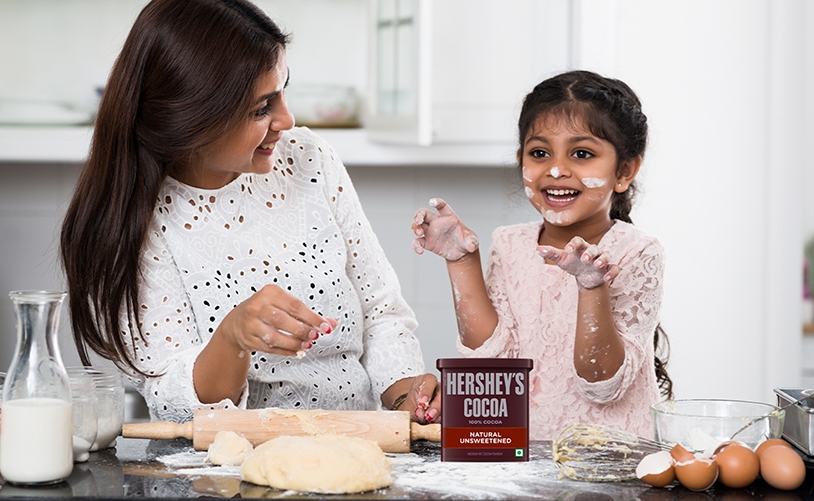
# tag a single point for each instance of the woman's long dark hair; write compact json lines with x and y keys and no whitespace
{"x":184,"y":77}
{"x":610,"y":110}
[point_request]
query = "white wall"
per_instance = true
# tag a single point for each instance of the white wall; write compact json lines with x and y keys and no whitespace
{"x":721,"y":83}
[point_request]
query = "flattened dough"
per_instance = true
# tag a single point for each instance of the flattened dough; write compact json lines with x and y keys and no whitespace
{"x":324,"y":463}
{"x":228,"y":449}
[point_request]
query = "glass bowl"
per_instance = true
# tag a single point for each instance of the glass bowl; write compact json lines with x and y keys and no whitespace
{"x":701,"y":425}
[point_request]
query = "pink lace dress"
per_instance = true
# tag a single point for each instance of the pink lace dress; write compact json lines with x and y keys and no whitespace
{"x":537,"y":306}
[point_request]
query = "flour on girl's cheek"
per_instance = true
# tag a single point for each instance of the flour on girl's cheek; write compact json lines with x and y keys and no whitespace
{"x":526,"y":175}
{"x":594,"y":182}
{"x":529,"y":192}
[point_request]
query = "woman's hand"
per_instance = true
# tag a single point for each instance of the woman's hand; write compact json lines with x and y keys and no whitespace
{"x":443,"y":233}
{"x":422,"y":400}
{"x":273,"y":321}
{"x":583,"y":260}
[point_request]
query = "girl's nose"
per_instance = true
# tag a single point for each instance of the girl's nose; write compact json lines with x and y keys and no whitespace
{"x":559,"y":171}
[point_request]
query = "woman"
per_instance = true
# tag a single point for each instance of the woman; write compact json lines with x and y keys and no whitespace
{"x":215,"y":253}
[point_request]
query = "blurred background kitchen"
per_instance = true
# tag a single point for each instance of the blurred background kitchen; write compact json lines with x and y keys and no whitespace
{"x":420,"y":98}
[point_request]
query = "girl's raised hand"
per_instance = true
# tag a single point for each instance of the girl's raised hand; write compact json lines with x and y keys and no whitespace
{"x":273,"y":321}
{"x":443,"y":233}
{"x":583,"y":260}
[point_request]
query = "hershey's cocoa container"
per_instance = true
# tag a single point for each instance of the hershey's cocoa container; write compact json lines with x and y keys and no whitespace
{"x":484,"y":409}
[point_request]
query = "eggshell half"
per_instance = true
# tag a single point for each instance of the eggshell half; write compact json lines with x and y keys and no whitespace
{"x":680,"y":454}
{"x":656,"y":469}
{"x":697,"y":474}
{"x":782,"y":468}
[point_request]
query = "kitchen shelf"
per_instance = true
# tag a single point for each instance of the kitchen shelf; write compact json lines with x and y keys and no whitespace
{"x":69,"y":144}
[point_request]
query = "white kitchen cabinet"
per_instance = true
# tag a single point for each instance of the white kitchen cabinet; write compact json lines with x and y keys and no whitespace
{"x":399,"y":72}
{"x":455,"y":71}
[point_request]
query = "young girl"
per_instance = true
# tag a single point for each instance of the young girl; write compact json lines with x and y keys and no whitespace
{"x":578,"y":292}
{"x":218,"y":254}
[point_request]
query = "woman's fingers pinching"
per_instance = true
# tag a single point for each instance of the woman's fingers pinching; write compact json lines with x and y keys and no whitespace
{"x":426,"y":400}
{"x":276,"y":322}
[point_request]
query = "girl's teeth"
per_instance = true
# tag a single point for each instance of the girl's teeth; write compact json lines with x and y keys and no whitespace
{"x":561,"y":193}
{"x":267,"y":146}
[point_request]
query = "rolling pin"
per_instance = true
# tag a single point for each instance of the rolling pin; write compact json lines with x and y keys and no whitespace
{"x":392,"y":430}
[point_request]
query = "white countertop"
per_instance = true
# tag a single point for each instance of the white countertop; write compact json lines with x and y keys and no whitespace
{"x":69,"y":144}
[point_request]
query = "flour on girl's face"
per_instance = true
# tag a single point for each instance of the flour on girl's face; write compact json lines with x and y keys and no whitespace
{"x":526,"y":175}
{"x":554,"y":217}
{"x":594,"y":182}
{"x":555,"y":172}
{"x":529,"y":192}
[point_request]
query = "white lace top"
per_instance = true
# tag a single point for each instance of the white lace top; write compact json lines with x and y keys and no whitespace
{"x":302,"y":228}
{"x":537,"y":308}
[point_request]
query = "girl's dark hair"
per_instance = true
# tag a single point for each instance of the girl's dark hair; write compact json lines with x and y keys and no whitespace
{"x":610,"y":110}
{"x":184,"y":77}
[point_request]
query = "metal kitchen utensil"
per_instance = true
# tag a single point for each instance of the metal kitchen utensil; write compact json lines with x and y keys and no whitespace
{"x":806,"y":394}
{"x":595,"y":453}
{"x":798,"y":427}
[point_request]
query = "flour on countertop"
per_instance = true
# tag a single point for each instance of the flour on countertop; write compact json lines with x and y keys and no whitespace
{"x":425,"y":476}
{"x":188,"y":458}
{"x":508,"y":480}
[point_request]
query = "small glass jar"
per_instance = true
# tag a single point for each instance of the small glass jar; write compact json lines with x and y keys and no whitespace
{"x":83,"y":397}
{"x":37,"y":425}
{"x":109,"y":405}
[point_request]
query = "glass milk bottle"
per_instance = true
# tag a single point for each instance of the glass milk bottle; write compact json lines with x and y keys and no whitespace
{"x":37,"y":430}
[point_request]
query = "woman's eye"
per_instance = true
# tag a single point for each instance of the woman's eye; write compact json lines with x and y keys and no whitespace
{"x":262,"y":112}
{"x":583,"y":154}
{"x":538,"y":153}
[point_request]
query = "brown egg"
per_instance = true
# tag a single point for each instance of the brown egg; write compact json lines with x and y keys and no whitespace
{"x":698,"y":473}
{"x":782,"y":468}
{"x":769,"y":443}
{"x":738,"y":465}
{"x":656,"y":469}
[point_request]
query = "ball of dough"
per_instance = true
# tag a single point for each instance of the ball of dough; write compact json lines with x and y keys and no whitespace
{"x":228,"y":449}
{"x":323,"y":463}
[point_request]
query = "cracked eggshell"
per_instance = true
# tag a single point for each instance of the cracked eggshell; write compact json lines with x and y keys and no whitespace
{"x":657,"y":469}
{"x":697,"y":473}
{"x":680,"y":454}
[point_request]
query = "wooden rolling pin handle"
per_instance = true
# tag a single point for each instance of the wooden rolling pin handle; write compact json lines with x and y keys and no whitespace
{"x":159,"y":430}
{"x":431,"y":432}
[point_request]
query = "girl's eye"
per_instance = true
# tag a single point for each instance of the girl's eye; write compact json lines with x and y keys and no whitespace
{"x":583,"y":154}
{"x":538,"y":153}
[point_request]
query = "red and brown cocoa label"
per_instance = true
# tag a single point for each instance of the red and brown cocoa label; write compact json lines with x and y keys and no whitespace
{"x":484,"y":411}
